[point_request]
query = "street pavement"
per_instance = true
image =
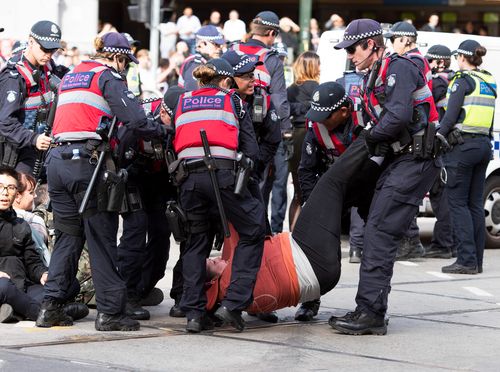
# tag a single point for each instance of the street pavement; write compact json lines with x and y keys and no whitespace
{"x":437,"y":322}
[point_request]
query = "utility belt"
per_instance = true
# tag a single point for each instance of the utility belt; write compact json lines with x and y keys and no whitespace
{"x":9,"y":153}
{"x":457,"y":137}
{"x":422,"y":145}
{"x":181,"y":168}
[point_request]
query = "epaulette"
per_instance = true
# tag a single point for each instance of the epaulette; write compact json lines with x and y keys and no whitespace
{"x":116,"y":75}
{"x":148,"y":100}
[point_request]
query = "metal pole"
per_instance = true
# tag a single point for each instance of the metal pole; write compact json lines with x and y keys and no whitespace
{"x":305,"y":14}
{"x":154,"y":36}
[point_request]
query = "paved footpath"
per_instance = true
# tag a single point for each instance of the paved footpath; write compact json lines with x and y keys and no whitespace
{"x":437,"y":322}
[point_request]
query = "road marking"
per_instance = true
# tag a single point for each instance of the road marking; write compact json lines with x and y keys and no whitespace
{"x":407,"y":263}
{"x":437,"y":274}
{"x":478,"y":291}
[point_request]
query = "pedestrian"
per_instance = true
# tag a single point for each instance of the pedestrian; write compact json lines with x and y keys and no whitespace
{"x":400,"y":90}
{"x":229,"y":130}
{"x":234,"y":28}
{"x":187,"y":26}
{"x":26,"y":96}
{"x":468,"y":123}
{"x":69,"y":171}
{"x":432,"y":24}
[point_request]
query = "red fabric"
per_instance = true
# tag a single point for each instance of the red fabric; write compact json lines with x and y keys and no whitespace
{"x":261,"y":73}
{"x":339,"y":146}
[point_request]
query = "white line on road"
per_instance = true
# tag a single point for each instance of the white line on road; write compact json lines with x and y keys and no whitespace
{"x":407,"y":263}
{"x":478,"y":291}
{"x":437,"y":274}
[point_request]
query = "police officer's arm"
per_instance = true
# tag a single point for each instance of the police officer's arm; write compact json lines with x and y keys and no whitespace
{"x":11,"y":101}
{"x":439,"y":88}
{"x":270,"y":137}
{"x":460,"y":88}
{"x":278,"y":90}
{"x":125,"y":106}
{"x":403,"y":77}
{"x":247,"y":142}
{"x":308,"y":167}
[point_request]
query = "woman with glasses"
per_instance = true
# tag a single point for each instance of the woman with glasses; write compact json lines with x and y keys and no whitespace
{"x":468,"y":122}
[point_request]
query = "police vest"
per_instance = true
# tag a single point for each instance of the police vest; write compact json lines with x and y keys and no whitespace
{"x":479,"y":105}
{"x":38,"y":95}
{"x":210,"y":109}
{"x":353,"y":83}
{"x":374,"y":98}
{"x":133,"y":80}
{"x":261,"y":73}
{"x":81,"y":103}
{"x":328,"y":140}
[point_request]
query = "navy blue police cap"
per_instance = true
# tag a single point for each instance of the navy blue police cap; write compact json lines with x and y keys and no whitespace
{"x":359,"y":29}
{"x":467,"y":47}
{"x":171,"y":98}
{"x":401,"y":28}
{"x":438,"y":52}
{"x":221,"y":67}
{"x":268,"y":19}
{"x":327,"y":98}
{"x":210,"y":33}
{"x":19,"y":46}
{"x":241,"y":63}
{"x":115,"y":42}
{"x":47,"y":34}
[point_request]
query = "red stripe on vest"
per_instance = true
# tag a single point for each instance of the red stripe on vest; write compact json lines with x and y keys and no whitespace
{"x":338,"y":146}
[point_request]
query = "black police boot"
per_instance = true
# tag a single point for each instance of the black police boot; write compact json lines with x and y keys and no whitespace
{"x":52,"y":314}
{"x":117,"y":322}
{"x":202,"y":323}
{"x":307,"y":311}
{"x":135,"y":311}
{"x":7,"y":314}
{"x":417,"y":250}
{"x":437,"y":252}
{"x":456,"y":268}
{"x":403,"y":249}
{"x":232,"y":317}
{"x":355,"y":255}
{"x":359,"y":323}
{"x":270,"y":317}
{"x":176,"y":311}
{"x":76,"y":310}
{"x":153,"y":298}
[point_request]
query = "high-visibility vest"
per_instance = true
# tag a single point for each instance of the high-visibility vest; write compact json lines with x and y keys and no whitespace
{"x":479,"y":105}
{"x":210,"y":109}
{"x":133,"y":79}
{"x":81,"y":103}
{"x":328,"y":140}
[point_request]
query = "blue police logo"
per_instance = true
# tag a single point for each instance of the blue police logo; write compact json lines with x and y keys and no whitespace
{"x":202,"y":102}
{"x":487,"y":89}
{"x":77,"y":80}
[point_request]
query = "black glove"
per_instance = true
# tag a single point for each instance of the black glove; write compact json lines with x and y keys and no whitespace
{"x":442,"y":142}
{"x":376,"y":148}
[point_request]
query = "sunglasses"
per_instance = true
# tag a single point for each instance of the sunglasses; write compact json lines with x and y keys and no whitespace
{"x":352,"y":49}
{"x":47,"y":51}
{"x":247,"y":76}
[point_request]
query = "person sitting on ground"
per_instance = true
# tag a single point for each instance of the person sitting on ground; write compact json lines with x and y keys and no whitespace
{"x":22,"y":272}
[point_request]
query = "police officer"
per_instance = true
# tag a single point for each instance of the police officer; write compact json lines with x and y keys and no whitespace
{"x":439,"y":58}
{"x":209,"y":41}
{"x":393,"y":94}
{"x":132,"y":71}
{"x":229,"y":130}
{"x":94,"y":89}
{"x":329,"y":133}
{"x":26,"y":85}
{"x":403,"y":36}
{"x":468,"y":122}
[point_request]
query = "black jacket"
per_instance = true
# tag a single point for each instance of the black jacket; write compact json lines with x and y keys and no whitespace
{"x":300,"y":97}
{"x":18,"y":255}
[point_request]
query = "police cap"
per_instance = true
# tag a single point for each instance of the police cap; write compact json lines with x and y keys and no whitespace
{"x":241,"y":63}
{"x":221,"y":67}
{"x":19,"y":46}
{"x":171,"y":98}
{"x":115,"y":42}
{"x":268,"y":19}
{"x":359,"y":29}
{"x":327,"y":98}
{"x":47,"y":34}
{"x":131,"y":41}
{"x":210,"y":33}
{"x":402,"y":28}
{"x":467,"y":47}
{"x":438,"y":52}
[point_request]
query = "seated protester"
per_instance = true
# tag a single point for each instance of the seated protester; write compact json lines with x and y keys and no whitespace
{"x":22,"y":272}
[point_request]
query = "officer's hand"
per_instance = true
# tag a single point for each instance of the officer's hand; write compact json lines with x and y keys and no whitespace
{"x":376,"y":148}
{"x":44,"y":278}
{"x":43,"y":142}
{"x":4,"y":275}
{"x":287,"y":134}
{"x":443,"y":142}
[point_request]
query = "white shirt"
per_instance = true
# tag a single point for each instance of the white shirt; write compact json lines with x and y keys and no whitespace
{"x":186,"y":24}
{"x":234,"y":30}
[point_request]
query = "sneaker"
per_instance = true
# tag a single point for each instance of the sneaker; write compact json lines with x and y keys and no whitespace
{"x":307,"y":311}
{"x":153,"y":298}
{"x":118,"y":322}
{"x":456,"y":268}
{"x":355,"y":255}
{"x":7,"y":314}
{"x":52,"y":314}
{"x":359,"y":323}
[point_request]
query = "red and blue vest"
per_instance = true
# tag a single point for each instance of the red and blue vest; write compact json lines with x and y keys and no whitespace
{"x":210,"y":109}
{"x":81,"y":103}
{"x":328,"y":140}
{"x":261,"y":73}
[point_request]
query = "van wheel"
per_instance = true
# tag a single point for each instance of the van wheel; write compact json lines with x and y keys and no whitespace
{"x":492,"y":211}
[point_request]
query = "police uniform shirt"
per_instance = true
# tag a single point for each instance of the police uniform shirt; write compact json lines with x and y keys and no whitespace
{"x":188,"y":80}
{"x":277,"y":86}
{"x":439,"y":89}
{"x":418,"y":61}
{"x":247,"y":142}
{"x":454,"y":113}
{"x":402,"y":79}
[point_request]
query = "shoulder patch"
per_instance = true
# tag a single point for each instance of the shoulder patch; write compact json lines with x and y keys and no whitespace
{"x":11,"y":96}
{"x":274,"y":116}
{"x":454,"y":87}
{"x":391,"y":80}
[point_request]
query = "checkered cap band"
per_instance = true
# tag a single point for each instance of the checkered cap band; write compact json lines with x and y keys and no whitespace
{"x":266,"y":23}
{"x":463,"y":51}
{"x":404,"y":33}
{"x":436,"y":56}
{"x":45,"y":38}
{"x":330,"y":108}
{"x":167,"y":109}
{"x":220,"y":72}
{"x":209,"y":38}
{"x":117,"y":50}
{"x":240,"y":65}
{"x":363,"y":35}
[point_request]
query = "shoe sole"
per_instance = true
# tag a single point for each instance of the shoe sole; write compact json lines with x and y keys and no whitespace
{"x":6,"y":313}
{"x":377,"y":331}
{"x":354,"y":260}
{"x":57,"y":324}
{"x":467,"y":272}
{"x":437,"y":255}
{"x":118,"y":329}
{"x":176,"y":315}
{"x":139,"y":317}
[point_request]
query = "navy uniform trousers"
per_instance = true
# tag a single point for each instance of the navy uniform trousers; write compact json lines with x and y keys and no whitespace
{"x":442,"y":235}
{"x":68,"y":179}
{"x":400,"y":188}
{"x":247,"y":215}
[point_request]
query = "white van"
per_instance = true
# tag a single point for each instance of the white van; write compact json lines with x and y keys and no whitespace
{"x":334,"y":63}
